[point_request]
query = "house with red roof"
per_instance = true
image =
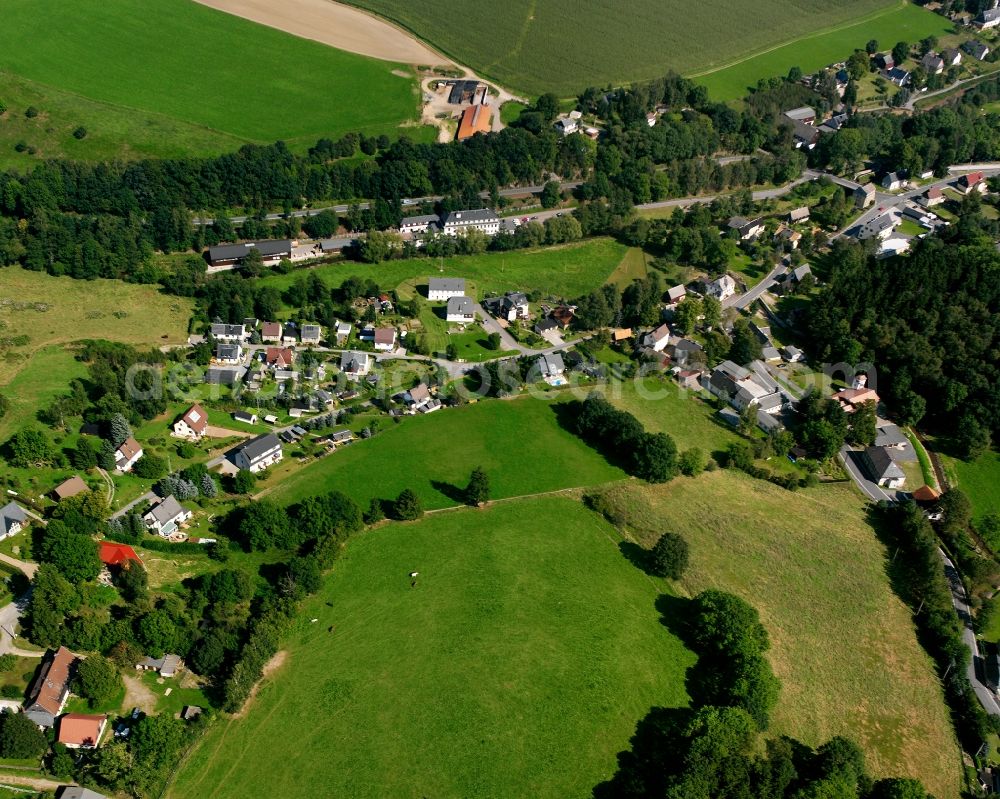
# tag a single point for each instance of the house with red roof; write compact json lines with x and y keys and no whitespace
{"x":972,"y":182}
{"x":279,"y":357}
{"x":81,"y":731}
{"x":115,"y":554}
{"x":192,"y":425}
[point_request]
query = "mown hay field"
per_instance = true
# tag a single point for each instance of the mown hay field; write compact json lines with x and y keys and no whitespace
{"x":566,"y":45}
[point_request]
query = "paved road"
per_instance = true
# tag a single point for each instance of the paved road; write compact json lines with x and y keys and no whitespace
{"x":746,"y":299}
{"x":149,"y":496}
{"x":976,"y":668}
{"x":10,"y":618}
{"x":919,"y":97}
{"x":28,"y":568}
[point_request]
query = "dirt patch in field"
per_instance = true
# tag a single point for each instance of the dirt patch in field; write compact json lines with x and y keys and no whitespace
{"x":138,"y":695}
{"x":337,"y":25}
{"x":270,"y":667}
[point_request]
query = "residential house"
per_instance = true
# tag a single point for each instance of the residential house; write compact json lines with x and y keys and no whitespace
{"x":689,"y":379}
{"x":684,"y":352}
{"x":232,"y":255}
{"x":48,"y":693}
{"x":336,"y":245}
{"x":311,"y":334}
{"x":112,"y":553}
{"x":802,"y":114}
{"x":258,"y":453}
{"x":551,"y":368}
{"x":933,"y":196}
{"x":482,"y":219}
{"x":977,"y":50}
{"x":385,"y":339}
{"x":743,"y":389}
{"x":882,"y":469}
{"x":787,"y":236}
{"x":892,"y":247}
{"x":864,"y":195}
{"x":792,"y":354}
{"x":279,"y":357}
{"x":563,"y":316}
{"x":419,"y":399}
{"x":658,"y":339}
{"x":224,"y":376}
{"x":651,"y":118}
{"x":167,"y":665}
{"x":270,"y":332}
{"x":355,"y":364}
{"x":166,"y":516}
{"x":229,"y":334}
{"x":13,"y":519}
{"x":192,"y":425}
{"x":289,"y":337}
{"x":974,"y":181}
{"x":512,"y":306}
{"x":228,"y":353}
{"x":951,"y":57}
{"x":851,"y":399}
{"x":546,"y":325}
{"x":69,"y":488}
{"x":442,"y":289}
{"x":885,"y":61}
{"x":77,"y":792}
{"x":746,"y":229}
{"x":988,"y":18}
{"x":900,"y":77}
{"x":127,"y":455}
{"x":794,"y":278}
{"x":893,"y":182}
{"x":721,"y":288}
{"x":770,"y":354}
{"x":461,"y":310}
{"x":834,"y":123}
{"x":417,"y":225}
{"x":475,"y":119}
{"x":81,"y":731}
{"x":567,"y":126}
{"x":343,"y":331}
{"x":880,"y":227}
{"x":890,"y":436}
{"x":675,"y":295}
{"x":932,"y":63}
{"x":798,"y":215}
{"x":245,"y":416}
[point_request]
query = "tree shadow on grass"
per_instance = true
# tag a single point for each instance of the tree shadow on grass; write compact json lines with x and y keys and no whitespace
{"x":452,"y":492}
{"x":636,"y":555}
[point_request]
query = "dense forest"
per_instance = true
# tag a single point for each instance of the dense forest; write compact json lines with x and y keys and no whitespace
{"x":929,"y":323}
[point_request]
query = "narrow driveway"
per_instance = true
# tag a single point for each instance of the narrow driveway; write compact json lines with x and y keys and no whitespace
{"x":149,"y":496}
{"x":976,"y":665}
{"x":10,"y":618}
{"x":28,"y":568}
{"x":870,"y":489}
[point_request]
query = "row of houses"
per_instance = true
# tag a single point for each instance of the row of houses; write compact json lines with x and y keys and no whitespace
{"x":452,"y":223}
{"x":288,"y":333}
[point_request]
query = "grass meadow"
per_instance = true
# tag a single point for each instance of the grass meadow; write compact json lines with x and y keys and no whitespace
{"x":519,"y":443}
{"x":182,"y":78}
{"x":816,"y":49}
{"x":843,"y":644}
{"x":56,"y":311}
{"x":518,"y":666}
{"x":566,"y":45}
{"x":979,"y":480}
{"x":564,"y":271}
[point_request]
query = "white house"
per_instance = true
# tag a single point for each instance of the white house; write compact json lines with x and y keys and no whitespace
{"x":343,"y":331}
{"x":270,"y":332}
{"x":385,"y":339}
{"x":192,"y":425}
{"x":482,"y":219}
{"x":658,"y":339}
{"x":675,"y":295}
{"x":893,"y":182}
{"x":311,"y":334}
{"x":721,"y":288}
{"x":127,"y":455}
{"x":165,"y":517}
{"x":882,"y":468}
{"x":461,"y":310}
{"x":415,"y":225}
{"x":12,"y":519}
{"x":258,"y":453}
{"x":229,"y":353}
{"x":551,"y":368}
{"x":567,"y":126}
{"x":441,"y":289}
{"x":746,"y":229}
{"x":232,"y":334}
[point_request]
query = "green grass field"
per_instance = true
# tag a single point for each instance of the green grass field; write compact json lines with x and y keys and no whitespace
{"x":817,"y":48}
{"x":519,"y":443}
{"x":168,"y":77}
{"x":979,"y":480}
{"x":518,"y":666}
{"x":55,"y":311}
{"x":566,"y":45}
{"x":843,"y":644}
{"x":565,"y":271}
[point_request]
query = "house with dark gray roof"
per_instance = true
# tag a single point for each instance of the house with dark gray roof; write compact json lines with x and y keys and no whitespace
{"x":355,"y":364}
{"x":12,"y":519}
{"x":882,"y":469}
{"x":440,"y":289}
{"x":482,"y":219}
{"x":230,"y":334}
{"x":230,"y":255}
{"x":258,"y":453}
{"x":461,"y":310}
{"x":414,"y":225}
{"x":165,"y":517}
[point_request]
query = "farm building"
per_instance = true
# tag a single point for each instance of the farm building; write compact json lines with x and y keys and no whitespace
{"x":230,"y":255}
{"x":475,"y":119}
